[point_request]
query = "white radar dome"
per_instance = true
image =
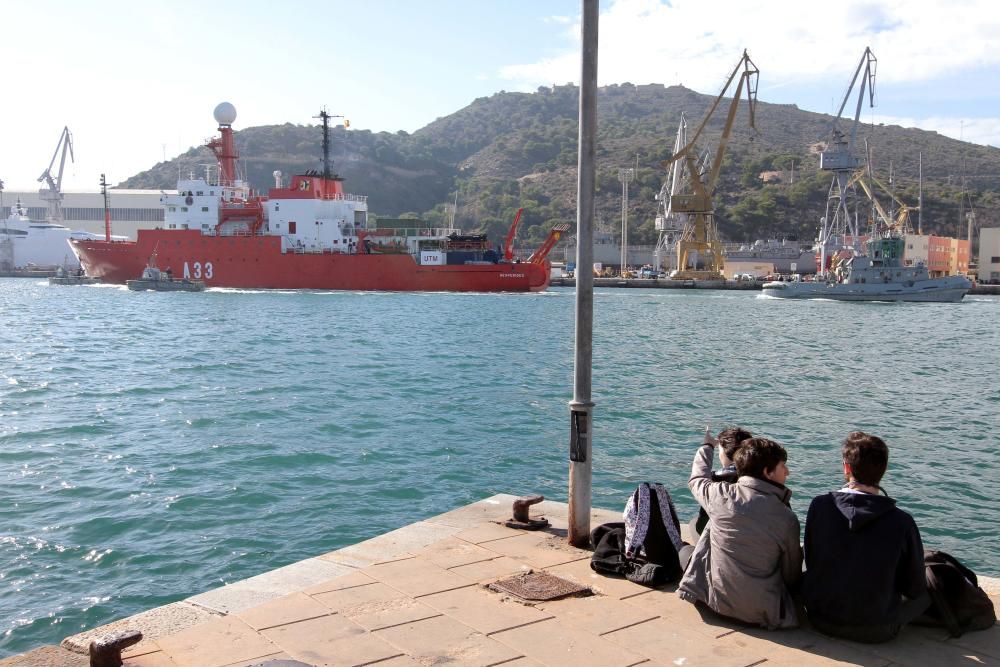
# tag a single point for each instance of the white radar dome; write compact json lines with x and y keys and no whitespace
{"x":225,"y":114}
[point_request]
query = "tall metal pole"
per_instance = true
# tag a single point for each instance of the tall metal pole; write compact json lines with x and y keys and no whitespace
{"x":920,"y":196}
{"x":581,"y":407}
{"x":625,"y":176}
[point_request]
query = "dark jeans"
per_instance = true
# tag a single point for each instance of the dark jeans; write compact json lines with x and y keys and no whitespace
{"x":875,"y":634}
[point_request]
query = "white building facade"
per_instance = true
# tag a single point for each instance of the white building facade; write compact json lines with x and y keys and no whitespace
{"x":989,"y":255}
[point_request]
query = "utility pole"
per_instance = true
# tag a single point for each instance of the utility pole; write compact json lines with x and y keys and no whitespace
{"x":920,"y":193}
{"x":581,"y":407}
{"x":625,"y":176}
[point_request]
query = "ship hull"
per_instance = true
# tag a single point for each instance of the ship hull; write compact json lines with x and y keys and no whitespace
{"x":939,"y":290}
{"x":258,"y":262}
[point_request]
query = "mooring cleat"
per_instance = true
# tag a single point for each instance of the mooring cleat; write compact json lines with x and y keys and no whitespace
{"x":106,"y":651}
{"x":521,"y":519}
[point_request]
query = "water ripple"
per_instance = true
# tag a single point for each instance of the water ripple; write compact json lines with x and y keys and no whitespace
{"x":199,"y":441}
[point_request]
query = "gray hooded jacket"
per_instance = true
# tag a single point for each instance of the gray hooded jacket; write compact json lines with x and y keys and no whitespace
{"x":749,"y":553}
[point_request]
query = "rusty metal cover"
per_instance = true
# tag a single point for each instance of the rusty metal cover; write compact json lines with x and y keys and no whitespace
{"x":538,"y":586}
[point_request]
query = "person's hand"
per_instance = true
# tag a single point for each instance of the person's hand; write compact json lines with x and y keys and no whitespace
{"x":709,"y":438}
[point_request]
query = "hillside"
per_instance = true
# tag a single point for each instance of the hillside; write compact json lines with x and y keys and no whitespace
{"x":514,"y":150}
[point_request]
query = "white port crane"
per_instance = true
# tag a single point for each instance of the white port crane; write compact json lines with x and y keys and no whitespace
{"x":841,"y":158}
{"x":52,"y":194}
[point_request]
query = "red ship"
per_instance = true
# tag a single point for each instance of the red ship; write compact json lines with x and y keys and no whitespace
{"x":309,"y":234}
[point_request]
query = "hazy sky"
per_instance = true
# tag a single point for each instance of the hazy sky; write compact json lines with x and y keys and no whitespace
{"x":136,"y":81}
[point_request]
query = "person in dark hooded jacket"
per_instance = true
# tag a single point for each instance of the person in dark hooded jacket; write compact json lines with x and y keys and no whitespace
{"x":864,"y":558}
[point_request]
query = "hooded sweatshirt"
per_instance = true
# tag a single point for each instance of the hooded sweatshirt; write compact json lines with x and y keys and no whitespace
{"x":862,"y":554}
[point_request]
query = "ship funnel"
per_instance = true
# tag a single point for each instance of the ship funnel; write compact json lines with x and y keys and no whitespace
{"x":277,"y":178}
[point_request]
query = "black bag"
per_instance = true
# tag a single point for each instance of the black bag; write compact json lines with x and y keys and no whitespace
{"x":609,"y":549}
{"x":957,"y":601}
{"x":610,"y":558}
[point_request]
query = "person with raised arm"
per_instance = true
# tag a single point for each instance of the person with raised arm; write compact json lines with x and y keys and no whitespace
{"x":748,"y":555}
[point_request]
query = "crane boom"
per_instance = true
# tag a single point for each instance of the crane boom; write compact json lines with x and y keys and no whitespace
{"x":840,"y":158}
{"x":508,"y":244}
{"x":52,"y":194}
{"x":699,"y":242}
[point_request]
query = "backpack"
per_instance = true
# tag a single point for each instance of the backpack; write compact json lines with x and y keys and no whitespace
{"x":957,"y":601}
{"x":644,"y":547}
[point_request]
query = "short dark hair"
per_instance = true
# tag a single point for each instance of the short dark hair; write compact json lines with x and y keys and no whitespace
{"x":868,"y":456}
{"x":755,"y":455}
{"x":730,"y":439}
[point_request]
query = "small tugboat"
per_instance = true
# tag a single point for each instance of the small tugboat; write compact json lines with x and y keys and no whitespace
{"x":163,"y":281}
{"x":76,"y":277}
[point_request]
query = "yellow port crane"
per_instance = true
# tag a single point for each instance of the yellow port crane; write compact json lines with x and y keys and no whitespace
{"x":699,"y":242}
{"x":900,"y":224}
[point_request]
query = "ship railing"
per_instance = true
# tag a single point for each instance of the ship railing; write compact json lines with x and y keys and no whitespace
{"x":414,"y":232}
{"x":342,"y":196}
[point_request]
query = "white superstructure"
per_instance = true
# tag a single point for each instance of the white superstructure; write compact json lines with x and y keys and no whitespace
{"x":26,"y":244}
{"x":131,"y":210}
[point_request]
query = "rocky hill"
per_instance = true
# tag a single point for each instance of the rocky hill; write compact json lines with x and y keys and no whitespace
{"x":514,"y":150}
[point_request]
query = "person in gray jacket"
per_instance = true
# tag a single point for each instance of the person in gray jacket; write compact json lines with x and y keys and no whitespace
{"x":749,"y":553}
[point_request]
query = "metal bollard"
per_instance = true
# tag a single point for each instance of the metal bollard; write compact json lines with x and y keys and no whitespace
{"x":106,"y":651}
{"x":521,"y":517}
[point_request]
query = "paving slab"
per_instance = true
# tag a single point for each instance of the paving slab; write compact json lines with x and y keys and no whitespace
{"x":983,"y":642}
{"x":491,"y":570}
{"x":416,"y":577}
{"x":441,"y":640}
{"x":346,"y":598}
{"x":387,"y":613}
{"x":539,"y":549}
{"x":283,"y":610}
{"x":251,"y":592}
{"x":802,"y":648}
{"x":484,"y":610}
{"x":692,"y":618}
{"x":665,"y":642}
{"x":556,"y":644}
{"x":486,"y":532}
{"x":257,"y":661}
{"x":330,"y":640}
{"x":401,"y":541}
{"x":596,"y":614}
{"x":154,"y":659}
{"x":349,"y":580}
{"x":218,"y":642}
{"x":911,"y":647}
{"x":453,"y":552}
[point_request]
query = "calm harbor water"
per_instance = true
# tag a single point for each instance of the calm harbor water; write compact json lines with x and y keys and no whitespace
{"x":154,"y":446}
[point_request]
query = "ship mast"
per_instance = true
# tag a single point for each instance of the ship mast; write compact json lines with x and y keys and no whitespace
{"x":224,"y":147}
{"x":325,"y":117}
{"x":107,"y":210}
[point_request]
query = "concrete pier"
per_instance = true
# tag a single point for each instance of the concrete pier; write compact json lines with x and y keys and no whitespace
{"x":418,"y":596}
